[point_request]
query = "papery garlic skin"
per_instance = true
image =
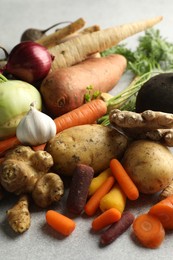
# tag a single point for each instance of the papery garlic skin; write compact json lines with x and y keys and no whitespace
{"x":35,"y":128}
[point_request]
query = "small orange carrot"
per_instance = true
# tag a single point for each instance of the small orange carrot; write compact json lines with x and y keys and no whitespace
{"x":163,"y":210}
{"x":93,"y":203}
{"x":60,"y":223}
{"x":124,"y":180}
{"x":149,"y":230}
{"x":106,"y":218}
{"x":86,"y":114}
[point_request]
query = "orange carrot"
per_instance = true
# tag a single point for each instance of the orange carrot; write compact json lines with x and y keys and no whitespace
{"x":60,"y":223}
{"x":106,"y":218}
{"x":163,"y":210}
{"x":93,"y":203}
{"x":39,"y":147}
{"x":124,"y":180}
{"x":8,"y":144}
{"x":86,"y":114}
{"x":149,"y":230}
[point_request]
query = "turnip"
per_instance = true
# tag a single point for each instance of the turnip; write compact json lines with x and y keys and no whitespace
{"x":156,"y":94}
{"x":15,"y":99}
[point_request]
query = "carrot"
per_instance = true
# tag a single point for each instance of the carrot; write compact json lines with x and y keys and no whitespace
{"x":8,"y":144}
{"x":163,"y":210}
{"x":149,"y":230}
{"x":93,"y":203}
{"x":117,"y":228}
{"x":78,"y":49}
{"x":106,"y":218}
{"x":124,"y":180}
{"x":86,"y":114}
{"x":64,"y":89}
{"x":98,"y":181}
{"x":60,"y":223}
{"x":39,"y":147}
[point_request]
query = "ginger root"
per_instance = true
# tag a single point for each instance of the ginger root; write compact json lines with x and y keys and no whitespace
{"x":49,"y":188}
{"x":26,"y":171}
{"x":22,"y":167}
{"x":155,"y":125}
{"x":168,"y":191}
{"x":18,"y":216}
{"x":163,"y":135}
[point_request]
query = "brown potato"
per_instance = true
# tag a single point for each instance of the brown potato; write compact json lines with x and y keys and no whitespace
{"x":93,"y":145}
{"x":149,"y":164}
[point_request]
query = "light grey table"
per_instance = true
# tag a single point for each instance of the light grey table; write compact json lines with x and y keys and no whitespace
{"x":40,"y":242}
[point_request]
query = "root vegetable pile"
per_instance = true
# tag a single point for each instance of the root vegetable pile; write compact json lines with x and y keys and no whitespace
{"x":108,"y":166}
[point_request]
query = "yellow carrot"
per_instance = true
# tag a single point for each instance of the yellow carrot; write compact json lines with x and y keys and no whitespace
{"x":98,"y":181}
{"x":78,"y":49}
{"x":115,"y":198}
{"x":93,"y":203}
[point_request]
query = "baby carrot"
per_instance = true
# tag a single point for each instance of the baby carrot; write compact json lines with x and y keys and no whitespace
{"x":98,"y":181}
{"x":149,"y":230}
{"x":93,"y":203}
{"x":106,"y":218}
{"x":117,"y":228}
{"x":60,"y":223}
{"x":124,"y":180}
{"x":163,"y":210}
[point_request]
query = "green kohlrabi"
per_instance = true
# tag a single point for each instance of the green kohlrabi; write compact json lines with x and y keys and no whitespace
{"x":15,"y":99}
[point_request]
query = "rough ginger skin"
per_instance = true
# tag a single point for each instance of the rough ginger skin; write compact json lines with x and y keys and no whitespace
{"x":22,"y":167}
{"x":18,"y":216}
{"x":25,"y":171}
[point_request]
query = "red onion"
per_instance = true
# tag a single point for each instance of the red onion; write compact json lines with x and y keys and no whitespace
{"x":29,"y":61}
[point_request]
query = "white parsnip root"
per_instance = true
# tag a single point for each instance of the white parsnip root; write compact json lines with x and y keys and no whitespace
{"x":78,"y":49}
{"x":55,"y":38}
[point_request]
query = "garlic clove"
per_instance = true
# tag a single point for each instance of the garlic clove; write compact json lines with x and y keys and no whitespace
{"x":35,"y":128}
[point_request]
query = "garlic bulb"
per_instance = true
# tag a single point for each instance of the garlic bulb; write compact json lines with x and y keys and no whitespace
{"x":35,"y":128}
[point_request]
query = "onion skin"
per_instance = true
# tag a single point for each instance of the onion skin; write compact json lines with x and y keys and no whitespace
{"x":29,"y":61}
{"x":15,"y":99}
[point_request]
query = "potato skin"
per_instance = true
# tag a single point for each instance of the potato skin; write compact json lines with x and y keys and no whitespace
{"x":149,"y":164}
{"x":93,"y":145}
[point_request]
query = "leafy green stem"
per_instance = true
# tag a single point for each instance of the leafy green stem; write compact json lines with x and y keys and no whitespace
{"x":153,"y":55}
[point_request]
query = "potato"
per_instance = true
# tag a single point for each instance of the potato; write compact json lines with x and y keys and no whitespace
{"x":149,"y":164}
{"x":93,"y":145}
